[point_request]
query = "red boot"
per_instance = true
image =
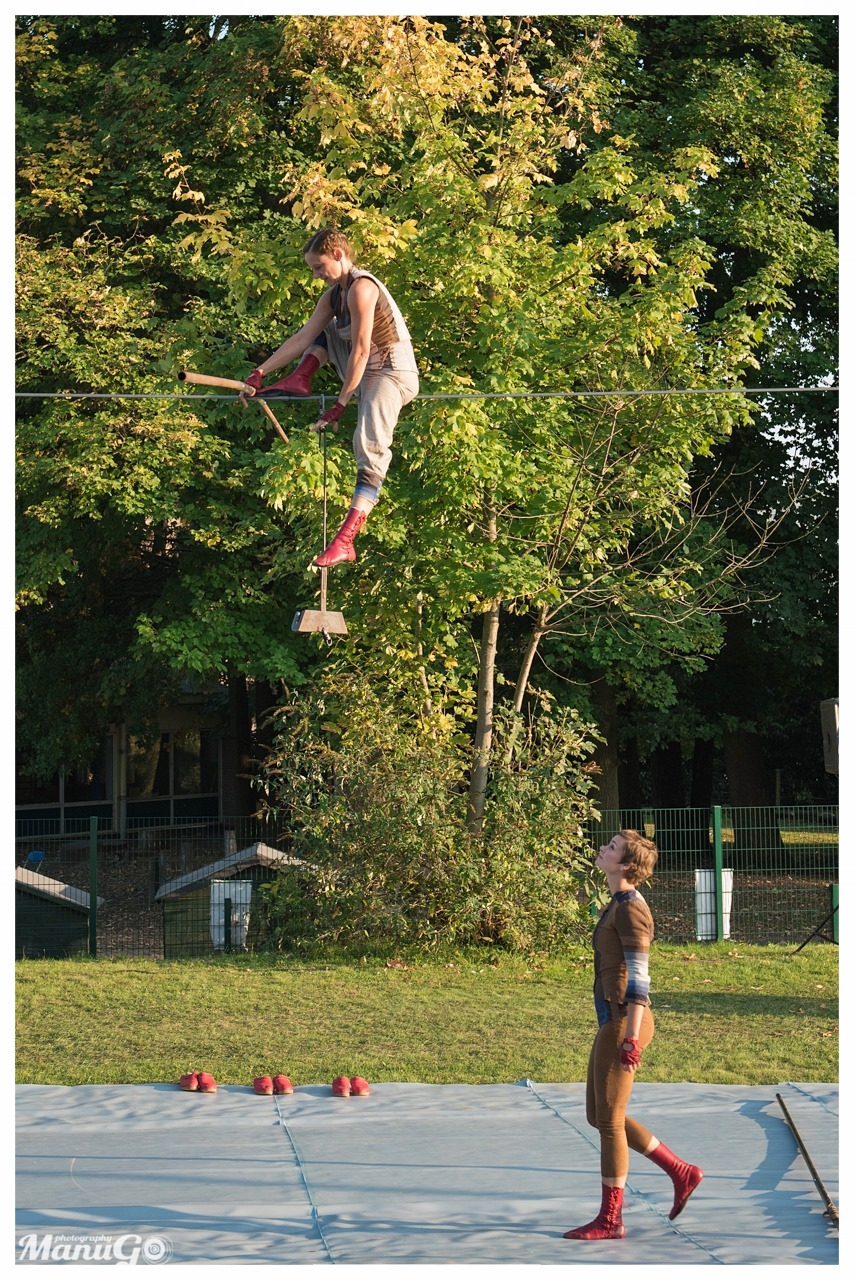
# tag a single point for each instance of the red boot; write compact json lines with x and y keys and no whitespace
{"x":685,"y":1177}
{"x":341,"y":547}
{"x":609,"y":1223}
{"x":297,"y":383}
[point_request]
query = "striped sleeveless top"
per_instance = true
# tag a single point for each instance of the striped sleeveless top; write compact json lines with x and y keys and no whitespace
{"x":391,"y":345}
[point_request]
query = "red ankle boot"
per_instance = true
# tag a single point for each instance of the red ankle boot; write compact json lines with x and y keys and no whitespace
{"x":685,"y":1177}
{"x":609,"y":1223}
{"x":297,"y":383}
{"x":341,"y":547}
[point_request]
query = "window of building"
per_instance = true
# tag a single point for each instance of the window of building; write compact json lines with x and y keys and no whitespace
{"x":148,"y":767}
{"x":172,"y":775}
{"x":93,"y":781}
{"x":29,"y":790}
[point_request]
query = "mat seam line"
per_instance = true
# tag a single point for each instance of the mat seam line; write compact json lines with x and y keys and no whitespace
{"x":818,"y":1101}
{"x":634,"y":1190}
{"x":315,"y":1212}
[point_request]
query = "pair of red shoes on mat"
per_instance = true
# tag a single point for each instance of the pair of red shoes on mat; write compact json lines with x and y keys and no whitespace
{"x":198,"y":1082}
{"x":343,"y":1087}
{"x":272,"y":1084}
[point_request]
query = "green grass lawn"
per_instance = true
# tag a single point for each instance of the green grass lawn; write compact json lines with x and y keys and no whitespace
{"x":724,"y":1015}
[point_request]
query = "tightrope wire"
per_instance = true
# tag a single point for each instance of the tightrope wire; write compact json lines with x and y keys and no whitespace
{"x":441,"y":395}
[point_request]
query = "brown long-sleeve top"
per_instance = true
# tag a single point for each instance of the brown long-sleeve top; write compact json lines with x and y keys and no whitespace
{"x":621,"y":943}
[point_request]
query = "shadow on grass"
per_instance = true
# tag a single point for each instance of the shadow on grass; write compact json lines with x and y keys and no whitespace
{"x":754,"y":1005}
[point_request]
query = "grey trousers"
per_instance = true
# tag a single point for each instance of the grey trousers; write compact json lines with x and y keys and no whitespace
{"x":380,"y":396}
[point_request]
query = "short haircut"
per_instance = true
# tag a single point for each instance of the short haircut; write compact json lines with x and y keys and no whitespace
{"x":328,"y":239}
{"x":639,"y":857}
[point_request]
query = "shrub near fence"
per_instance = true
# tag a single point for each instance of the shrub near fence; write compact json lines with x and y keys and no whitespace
{"x":784,"y":865}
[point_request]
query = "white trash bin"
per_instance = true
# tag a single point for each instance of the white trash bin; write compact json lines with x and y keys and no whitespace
{"x":705,"y":906}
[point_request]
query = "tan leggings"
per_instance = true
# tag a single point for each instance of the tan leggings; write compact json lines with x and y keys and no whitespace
{"x":608,"y":1090}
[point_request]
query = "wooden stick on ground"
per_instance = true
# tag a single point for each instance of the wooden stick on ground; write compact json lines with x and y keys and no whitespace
{"x":831,"y":1211}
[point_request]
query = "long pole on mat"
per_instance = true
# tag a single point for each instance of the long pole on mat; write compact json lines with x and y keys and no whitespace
{"x":831,"y":1211}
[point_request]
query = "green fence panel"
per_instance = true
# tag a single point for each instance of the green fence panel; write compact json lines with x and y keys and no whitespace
{"x":759,"y":875}
{"x":783,"y":862}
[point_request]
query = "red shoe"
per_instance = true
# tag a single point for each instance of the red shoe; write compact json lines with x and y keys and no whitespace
{"x":341,"y":547}
{"x":297,"y":383}
{"x":359,"y":1087}
{"x":685,"y":1177}
{"x":189,"y":1082}
{"x":281,"y":1084}
{"x":685,"y":1187}
{"x":262,"y":1084}
{"x":608,"y":1224}
{"x":341,"y":1087}
{"x":207,"y":1084}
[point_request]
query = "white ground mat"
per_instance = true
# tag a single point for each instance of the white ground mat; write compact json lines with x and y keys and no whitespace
{"x":414,"y":1173}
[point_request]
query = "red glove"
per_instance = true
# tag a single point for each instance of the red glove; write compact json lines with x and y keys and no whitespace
{"x":630,"y":1052}
{"x":254,"y":380}
{"x":333,"y":413}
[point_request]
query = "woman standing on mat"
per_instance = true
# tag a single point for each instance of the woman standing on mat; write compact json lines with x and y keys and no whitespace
{"x":621,"y":942}
{"x":358,"y":326}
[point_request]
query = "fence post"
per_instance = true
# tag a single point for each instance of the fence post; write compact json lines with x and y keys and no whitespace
{"x":834,"y":902}
{"x":93,"y":887}
{"x":717,"y":831}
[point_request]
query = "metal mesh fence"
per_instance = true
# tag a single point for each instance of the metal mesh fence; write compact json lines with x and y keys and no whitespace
{"x":775,"y":870}
{"x":760,"y":875}
{"x":132,"y":871}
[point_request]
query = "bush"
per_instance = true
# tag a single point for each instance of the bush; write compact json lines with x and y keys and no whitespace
{"x":374,"y":797}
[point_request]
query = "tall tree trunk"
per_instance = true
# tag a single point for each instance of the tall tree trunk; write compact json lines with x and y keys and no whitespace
{"x":748,"y":777}
{"x":237,"y":797}
{"x":629,"y":778}
{"x":751,"y":793}
{"x":702,"y":773}
{"x":750,"y":782}
{"x":483,"y":732}
{"x":528,"y":660}
{"x":606,"y":755}
{"x":667,"y":791}
{"x":482,"y":753}
{"x":265,"y":705}
{"x":681,"y":832}
{"x":422,"y":671}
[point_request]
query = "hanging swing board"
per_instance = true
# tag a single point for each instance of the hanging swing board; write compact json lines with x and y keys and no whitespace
{"x":326,"y":621}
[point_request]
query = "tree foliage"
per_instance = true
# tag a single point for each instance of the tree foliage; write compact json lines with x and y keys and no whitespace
{"x":566,"y":205}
